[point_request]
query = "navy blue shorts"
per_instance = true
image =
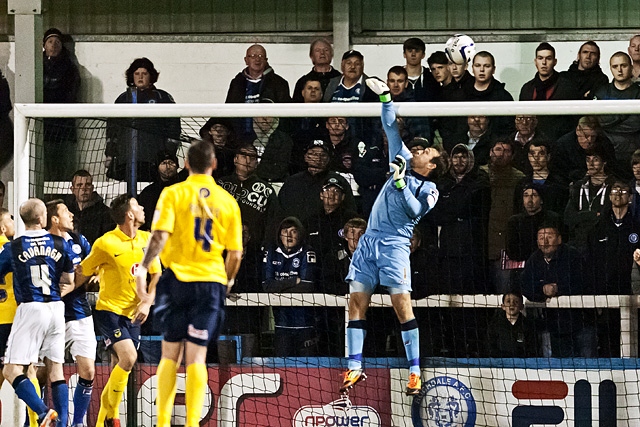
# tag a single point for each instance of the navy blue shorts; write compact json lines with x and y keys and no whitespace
{"x":114,"y":327}
{"x":192,"y":311}
{"x":5,"y":330}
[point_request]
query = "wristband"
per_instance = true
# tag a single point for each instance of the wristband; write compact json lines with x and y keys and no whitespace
{"x":230,"y":283}
{"x":141,"y":272}
{"x":400,"y":184}
{"x":385,"y":97}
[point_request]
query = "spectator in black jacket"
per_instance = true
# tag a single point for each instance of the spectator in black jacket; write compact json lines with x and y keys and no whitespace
{"x":422,"y":87}
{"x":622,"y":129}
{"x":548,"y":84}
{"x":611,"y":246}
{"x":61,"y":85}
{"x":480,"y":138}
{"x":557,"y":269}
{"x":257,"y":81}
{"x":91,"y":216}
{"x":453,"y":129}
{"x":462,"y":213}
{"x":486,"y":88}
{"x":321,"y":54}
{"x":323,"y":229}
{"x":554,"y":189}
{"x":151,"y":135}
{"x":167,"y":175}
{"x":219,"y":131}
{"x":6,"y":126}
{"x":585,"y":71}
{"x":588,"y":200}
{"x":294,"y":194}
{"x":522,"y":229}
{"x":510,"y":333}
{"x":526,"y":133}
{"x":569,"y":153}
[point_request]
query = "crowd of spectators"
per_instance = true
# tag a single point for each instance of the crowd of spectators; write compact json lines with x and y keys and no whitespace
{"x":540,"y":206}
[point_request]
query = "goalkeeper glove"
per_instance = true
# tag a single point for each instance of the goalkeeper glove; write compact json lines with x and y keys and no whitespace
{"x":399,"y":166}
{"x":380,"y":88}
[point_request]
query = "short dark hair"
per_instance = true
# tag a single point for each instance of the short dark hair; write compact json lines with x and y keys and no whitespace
{"x":119,"y":208}
{"x":438,"y":57}
{"x":81,"y":173}
{"x":52,"y":210}
{"x":311,"y":79}
{"x":247,"y":146}
{"x":592,"y":44}
{"x":541,"y":143}
{"x":546,"y":46}
{"x":515,"y":294}
{"x":621,"y":184}
{"x":442,"y":165}
{"x":485,"y":54}
{"x":504,"y":141}
{"x":141,"y":63}
{"x":200,"y":155}
{"x":399,"y":70}
{"x":414,"y":43}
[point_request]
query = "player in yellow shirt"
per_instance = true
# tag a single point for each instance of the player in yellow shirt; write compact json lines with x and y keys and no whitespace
{"x":8,"y":304}
{"x":195,"y":221}
{"x":119,"y":311}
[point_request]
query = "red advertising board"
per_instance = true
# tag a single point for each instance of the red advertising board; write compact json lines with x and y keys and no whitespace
{"x":259,"y":396}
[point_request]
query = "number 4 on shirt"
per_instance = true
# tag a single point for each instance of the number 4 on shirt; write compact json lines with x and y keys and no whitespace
{"x":203,"y":232}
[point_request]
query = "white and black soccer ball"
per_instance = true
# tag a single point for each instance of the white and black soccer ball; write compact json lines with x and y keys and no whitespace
{"x":460,"y":49}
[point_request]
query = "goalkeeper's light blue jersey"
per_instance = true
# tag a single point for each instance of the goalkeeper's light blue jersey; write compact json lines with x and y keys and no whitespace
{"x":397,"y":212}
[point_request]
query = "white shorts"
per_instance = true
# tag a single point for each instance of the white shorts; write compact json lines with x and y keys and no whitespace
{"x":80,"y":338}
{"x":38,"y":329}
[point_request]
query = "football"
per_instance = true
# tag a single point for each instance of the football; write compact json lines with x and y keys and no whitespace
{"x":460,"y":49}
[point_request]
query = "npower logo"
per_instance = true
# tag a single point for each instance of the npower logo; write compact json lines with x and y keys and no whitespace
{"x":337,"y":413}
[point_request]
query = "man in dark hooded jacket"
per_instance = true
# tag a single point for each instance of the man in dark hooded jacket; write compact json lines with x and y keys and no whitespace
{"x":61,"y":85}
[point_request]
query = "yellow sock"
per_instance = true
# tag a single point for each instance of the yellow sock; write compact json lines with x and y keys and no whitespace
{"x":33,"y":417}
{"x":166,"y":373}
{"x":197,"y":378}
{"x":117,"y":385}
{"x":104,"y":404}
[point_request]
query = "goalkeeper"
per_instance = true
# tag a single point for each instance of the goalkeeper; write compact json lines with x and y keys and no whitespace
{"x":382,"y":255}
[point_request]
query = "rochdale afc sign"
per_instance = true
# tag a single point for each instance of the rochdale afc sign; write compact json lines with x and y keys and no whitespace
{"x":444,"y":402}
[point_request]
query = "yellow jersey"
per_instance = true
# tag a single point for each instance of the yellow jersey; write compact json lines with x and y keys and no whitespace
{"x":117,"y":257}
{"x":203,"y":220}
{"x":8,"y":303}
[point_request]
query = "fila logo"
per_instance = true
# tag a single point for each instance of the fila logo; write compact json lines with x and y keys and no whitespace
{"x":529,"y":415}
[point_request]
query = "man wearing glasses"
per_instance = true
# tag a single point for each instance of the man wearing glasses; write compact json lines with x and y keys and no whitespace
{"x":611,"y":249}
{"x":257,"y":80}
{"x":91,"y":215}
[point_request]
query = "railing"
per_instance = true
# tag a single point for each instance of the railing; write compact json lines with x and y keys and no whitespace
{"x":628,"y":305}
